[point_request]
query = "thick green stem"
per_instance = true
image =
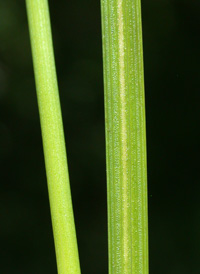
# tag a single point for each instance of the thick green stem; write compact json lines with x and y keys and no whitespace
{"x":53,"y":137}
{"x":125,"y":136}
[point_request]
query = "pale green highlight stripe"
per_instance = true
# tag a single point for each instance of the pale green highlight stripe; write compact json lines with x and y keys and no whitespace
{"x":53,"y":137}
{"x":126,"y":240}
{"x":125,"y":137}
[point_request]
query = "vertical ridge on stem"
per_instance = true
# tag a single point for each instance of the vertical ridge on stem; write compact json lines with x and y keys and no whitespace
{"x":125,"y":136}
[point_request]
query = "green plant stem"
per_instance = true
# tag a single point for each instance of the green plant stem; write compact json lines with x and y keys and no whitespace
{"x":53,"y":137}
{"x":125,"y":136}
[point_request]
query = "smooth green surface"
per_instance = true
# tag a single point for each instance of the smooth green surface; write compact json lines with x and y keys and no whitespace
{"x":53,"y":137}
{"x":125,"y":136}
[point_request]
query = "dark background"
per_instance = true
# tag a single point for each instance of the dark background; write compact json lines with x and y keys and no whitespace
{"x":171,"y":31}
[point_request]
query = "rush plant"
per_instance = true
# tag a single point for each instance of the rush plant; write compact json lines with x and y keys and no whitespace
{"x":125,"y":137}
{"x":53,"y":137}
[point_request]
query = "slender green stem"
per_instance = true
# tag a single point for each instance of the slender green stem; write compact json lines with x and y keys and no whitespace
{"x":125,"y":136}
{"x":53,"y":137}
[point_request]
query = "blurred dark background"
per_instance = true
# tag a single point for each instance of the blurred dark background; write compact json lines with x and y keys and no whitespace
{"x":171,"y":30}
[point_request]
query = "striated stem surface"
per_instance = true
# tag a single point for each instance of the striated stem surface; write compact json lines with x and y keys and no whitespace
{"x":125,"y":136}
{"x":53,"y":137}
